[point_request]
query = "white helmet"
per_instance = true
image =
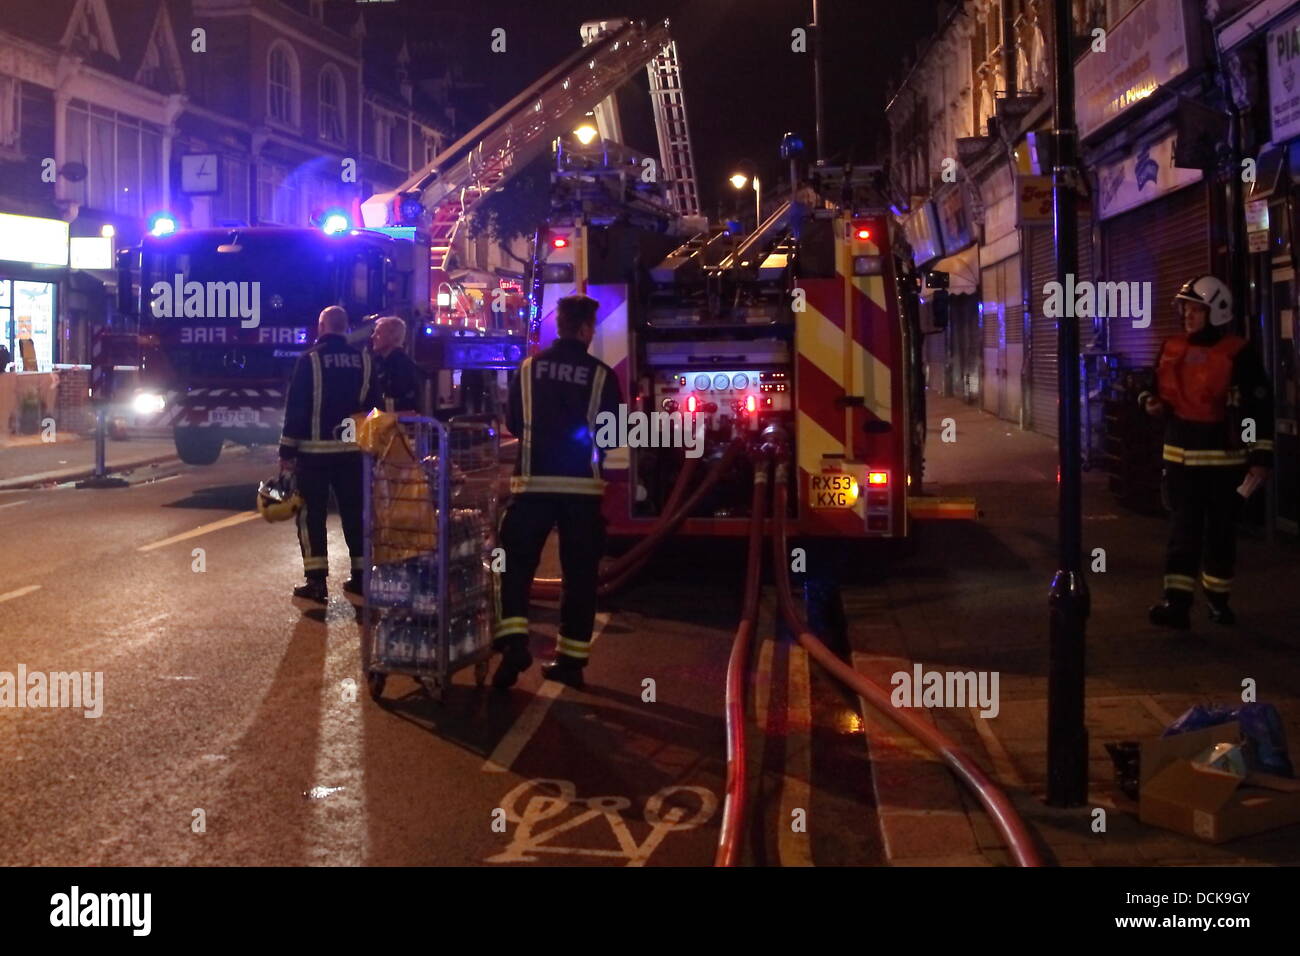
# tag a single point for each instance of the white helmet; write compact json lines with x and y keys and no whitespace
{"x":1212,"y":293}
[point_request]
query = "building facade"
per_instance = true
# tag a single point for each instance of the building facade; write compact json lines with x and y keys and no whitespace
{"x":1188,"y":114}
{"x":216,"y":111}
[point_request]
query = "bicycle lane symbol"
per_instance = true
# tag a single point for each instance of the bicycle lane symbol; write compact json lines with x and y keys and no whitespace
{"x":549,"y":799}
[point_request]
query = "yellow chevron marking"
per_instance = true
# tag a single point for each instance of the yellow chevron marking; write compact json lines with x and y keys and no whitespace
{"x":818,"y":340}
{"x":814,"y":442}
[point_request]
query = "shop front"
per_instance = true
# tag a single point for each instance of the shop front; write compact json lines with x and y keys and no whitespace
{"x":1001,"y":296}
{"x":33,"y":265}
{"x":1262,"y":55}
{"x":953,"y":358}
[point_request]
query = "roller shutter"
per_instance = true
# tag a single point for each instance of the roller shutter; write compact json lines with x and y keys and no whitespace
{"x":1165,"y":242}
{"x":1042,"y":330}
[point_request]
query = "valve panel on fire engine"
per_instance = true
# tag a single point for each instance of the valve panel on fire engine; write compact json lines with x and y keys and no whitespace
{"x":737,"y":394}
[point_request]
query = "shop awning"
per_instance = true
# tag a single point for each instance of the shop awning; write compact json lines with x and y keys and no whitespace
{"x":963,"y":270}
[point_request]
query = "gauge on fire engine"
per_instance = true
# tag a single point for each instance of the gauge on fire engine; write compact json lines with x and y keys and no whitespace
{"x":701,"y":382}
{"x":721,"y":381}
{"x":740,"y":380}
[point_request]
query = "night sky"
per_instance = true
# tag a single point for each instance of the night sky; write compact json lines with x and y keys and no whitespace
{"x":744,"y":85}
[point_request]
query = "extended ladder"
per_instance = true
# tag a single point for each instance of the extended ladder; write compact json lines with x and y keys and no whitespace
{"x":448,"y":187}
{"x":669,"y":99}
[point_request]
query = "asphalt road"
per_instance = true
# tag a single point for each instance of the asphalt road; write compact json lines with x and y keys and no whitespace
{"x":236,"y":729}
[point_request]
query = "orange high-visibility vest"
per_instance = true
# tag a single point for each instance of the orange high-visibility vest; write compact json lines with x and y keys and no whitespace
{"x":1194,"y":379}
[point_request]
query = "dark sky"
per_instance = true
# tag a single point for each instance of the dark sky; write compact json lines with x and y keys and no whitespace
{"x":744,"y":85}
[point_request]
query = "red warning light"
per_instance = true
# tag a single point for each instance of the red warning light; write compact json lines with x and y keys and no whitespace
{"x":692,"y":403}
{"x":863,"y":233}
{"x":878,"y":478}
{"x":751,"y":404}
{"x":559,"y":242}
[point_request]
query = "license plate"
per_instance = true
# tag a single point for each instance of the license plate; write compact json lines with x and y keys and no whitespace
{"x":833,"y":490}
{"x":233,"y":416}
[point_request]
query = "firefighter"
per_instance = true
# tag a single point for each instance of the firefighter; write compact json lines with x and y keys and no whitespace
{"x":332,"y":382}
{"x":1213,"y":392}
{"x":397,"y":378}
{"x":553,"y":403}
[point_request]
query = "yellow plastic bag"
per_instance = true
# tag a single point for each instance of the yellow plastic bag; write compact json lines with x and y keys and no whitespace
{"x":404,"y":520}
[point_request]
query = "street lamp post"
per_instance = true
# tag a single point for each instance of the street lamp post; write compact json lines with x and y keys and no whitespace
{"x":738,"y":180}
{"x":1067,"y":736}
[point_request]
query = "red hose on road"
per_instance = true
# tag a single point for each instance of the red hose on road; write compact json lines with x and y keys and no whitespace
{"x":733,"y":803}
{"x":621,"y":569}
{"x":1004,"y":816}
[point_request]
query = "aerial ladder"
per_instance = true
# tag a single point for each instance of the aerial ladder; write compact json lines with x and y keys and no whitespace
{"x":437,"y":199}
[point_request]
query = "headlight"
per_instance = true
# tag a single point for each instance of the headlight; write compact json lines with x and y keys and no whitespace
{"x":147,"y":403}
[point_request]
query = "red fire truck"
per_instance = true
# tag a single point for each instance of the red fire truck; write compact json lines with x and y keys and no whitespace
{"x":223,"y":314}
{"x":735,"y":334}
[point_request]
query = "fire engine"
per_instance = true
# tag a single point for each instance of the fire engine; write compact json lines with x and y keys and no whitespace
{"x":739,"y":333}
{"x":223,"y":314}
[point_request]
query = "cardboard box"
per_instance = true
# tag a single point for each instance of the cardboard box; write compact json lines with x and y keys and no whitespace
{"x":1208,"y":804}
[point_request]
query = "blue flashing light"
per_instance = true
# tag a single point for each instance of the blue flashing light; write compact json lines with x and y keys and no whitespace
{"x":334,"y":222}
{"x":428,"y":330}
{"x":162,"y":224}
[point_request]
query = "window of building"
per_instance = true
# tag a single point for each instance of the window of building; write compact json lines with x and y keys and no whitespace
{"x":10,"y":111}
{"x":330,"y":108}
{"x":231,"y":204}
{"x":123,"y":160}
{"x":278,"y":195}
{"x":385,"y":147}
{"x":282,"y":84}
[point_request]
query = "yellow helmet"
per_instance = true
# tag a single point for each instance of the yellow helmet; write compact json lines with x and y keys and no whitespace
{"x":278,"y":499}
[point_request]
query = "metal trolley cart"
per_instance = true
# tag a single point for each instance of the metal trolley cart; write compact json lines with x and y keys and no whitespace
{"x":430,"y":526}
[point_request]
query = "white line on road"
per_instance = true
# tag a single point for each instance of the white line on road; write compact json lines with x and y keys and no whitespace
{"x":202,"y":529}
{"x":521,"y":731}
{"x":19,"y":593}
{"x":15,"y":504}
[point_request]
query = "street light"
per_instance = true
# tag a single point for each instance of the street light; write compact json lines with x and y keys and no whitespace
{"x":586,"y":134}
{"x":738,"y":180}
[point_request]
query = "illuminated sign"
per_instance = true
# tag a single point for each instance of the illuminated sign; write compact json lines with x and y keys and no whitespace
{"x":91,"y":252}
{"x":1147,"y":49}
{"x":42,"y":242}
{"x":1284,"y":93}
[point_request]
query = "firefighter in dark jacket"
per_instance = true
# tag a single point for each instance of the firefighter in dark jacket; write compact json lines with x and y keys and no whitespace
{"x":1218,"y":412}
{"x":553,"y":404}
{"x":331,"y":382}
{"x":397,"y":378}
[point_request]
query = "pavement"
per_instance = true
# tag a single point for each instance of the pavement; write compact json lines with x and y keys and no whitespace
{"x":27,"y":461}
{"x":974,"y":597}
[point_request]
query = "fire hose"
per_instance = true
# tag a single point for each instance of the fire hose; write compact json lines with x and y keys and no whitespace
{"x":1003,"y":815}
{"x":619,"y":571}
{"x":734,"y":798}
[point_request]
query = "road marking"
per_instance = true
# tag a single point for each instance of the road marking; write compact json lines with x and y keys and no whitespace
{"x":337,"y":833}
{"x":1004,"y":768}
{"x":19,"y":593}
{"x":203,"y":529}
{"x":796,"y":792}
{"x":15,"y":504}
{"x":510,"y":746}
{"x":548,"y":799}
